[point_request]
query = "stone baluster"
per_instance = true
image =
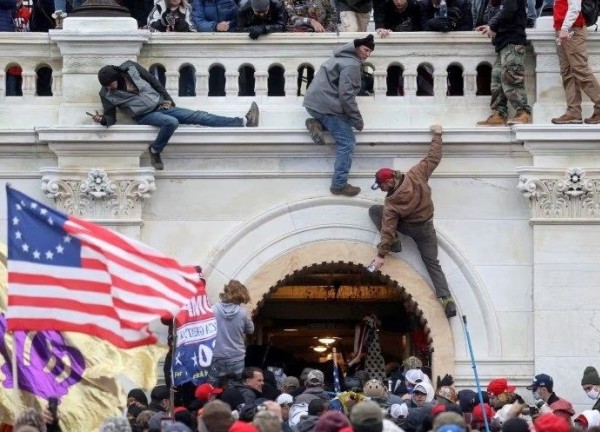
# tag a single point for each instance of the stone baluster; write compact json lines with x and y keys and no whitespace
{"x":470,"y":85}
{"x":232,"y":85}
{"x":380,"y":81}
{"x":172,"y":82}
{"x":201,"y":83}
{"x":410,"y":83}
{"x":2,"y":83}
{"x":57,"y":80}
{"x":291,"y":82}
{"x":29,"y":82}
{"x":440,"y":84}
{"x":261,"y":83}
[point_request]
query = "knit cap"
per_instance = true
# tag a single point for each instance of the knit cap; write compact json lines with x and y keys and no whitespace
{"x":368,"y":41}
{"x":108,"y":74}
{"x":590,"y":376}
{"x":331,"y":421}
{"x":260,"y":5}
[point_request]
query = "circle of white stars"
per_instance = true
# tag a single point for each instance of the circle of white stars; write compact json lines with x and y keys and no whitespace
{"x":37,"y":254}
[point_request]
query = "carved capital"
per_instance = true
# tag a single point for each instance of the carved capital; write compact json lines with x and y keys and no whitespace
{"x":98,"y":194}
{"x":574,"y":196}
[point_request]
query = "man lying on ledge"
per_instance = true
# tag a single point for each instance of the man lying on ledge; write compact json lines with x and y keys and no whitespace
{"x":136,"y":91}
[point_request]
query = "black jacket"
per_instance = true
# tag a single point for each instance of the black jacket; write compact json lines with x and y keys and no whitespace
{"x":274,"y":21}
{"x":509,"y":24}
{"x":386,"y":16}
{"x":459,"y":12}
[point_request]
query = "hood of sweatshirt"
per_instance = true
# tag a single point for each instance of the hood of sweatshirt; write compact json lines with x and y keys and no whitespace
{"x":347,"y":50}
{"x":228,"y":310}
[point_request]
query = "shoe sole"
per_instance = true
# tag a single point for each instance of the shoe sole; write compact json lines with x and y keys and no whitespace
{"x":568,"y":122}
{"x":340,"y":193}
{"x":253,"y":116}
{"x":591,"y":122}
{"x":315,"y":134}
{"x":512,"y":123}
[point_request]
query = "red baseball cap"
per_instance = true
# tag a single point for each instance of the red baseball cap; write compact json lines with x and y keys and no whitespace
{"x":382,"y":175}
{"x":498,"y":386}
{"x":478,"y":413}
{"x":206,"y":390}
{"x":551,"y":423}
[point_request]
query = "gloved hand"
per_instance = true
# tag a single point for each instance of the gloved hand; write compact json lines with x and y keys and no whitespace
{"x":257,"y":31}
{"x":359,"y":126}
{"x":447,"y":381}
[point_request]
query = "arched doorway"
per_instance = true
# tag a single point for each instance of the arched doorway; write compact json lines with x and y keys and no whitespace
{"x":319,"y":307}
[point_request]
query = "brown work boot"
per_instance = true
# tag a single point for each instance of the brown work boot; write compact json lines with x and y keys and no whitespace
{"x":594,"y":119}
{"x":567,"y":118}
{"x":496,"y":119}
{"x":347,"y":190}
{"x":522,"y":117}
{"x":315,"y":128}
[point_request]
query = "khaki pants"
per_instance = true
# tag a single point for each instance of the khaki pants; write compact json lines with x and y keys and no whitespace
{"x":576,"y":73}
{"x":354,"y":21}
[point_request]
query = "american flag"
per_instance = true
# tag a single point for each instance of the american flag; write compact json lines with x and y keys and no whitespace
{"x":68,"y":274}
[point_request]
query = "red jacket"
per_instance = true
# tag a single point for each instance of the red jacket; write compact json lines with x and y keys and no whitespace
{"x":560,"y":11}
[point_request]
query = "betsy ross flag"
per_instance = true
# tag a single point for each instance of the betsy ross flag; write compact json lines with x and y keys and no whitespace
{"x":68,"y":274}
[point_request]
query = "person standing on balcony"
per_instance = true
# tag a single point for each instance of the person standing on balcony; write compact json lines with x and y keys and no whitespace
{"x":354,"y":14}
{"x":331,"y":101}
{"x":408,"y":209}
{"x":60,"y":10}
{"x":310,"y":16}
{"x":171,"y":16}
{"x":507,"y":30}
{"x":260,"y":17}
{"x":575,"y":71}
{"x":6,"y":15}
{"x":397,"y":16}
{"x":133,"y":89}
{"x":215,"y":15}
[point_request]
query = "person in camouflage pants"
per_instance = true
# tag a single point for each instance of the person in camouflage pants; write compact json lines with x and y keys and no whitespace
{"x":507,"y":30}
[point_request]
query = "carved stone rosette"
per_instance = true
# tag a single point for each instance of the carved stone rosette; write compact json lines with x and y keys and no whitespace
{"x":574,"y":196}
{"x":98,"y":195}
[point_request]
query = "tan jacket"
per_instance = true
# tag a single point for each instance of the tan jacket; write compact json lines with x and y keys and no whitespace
{"x":410,"y":201}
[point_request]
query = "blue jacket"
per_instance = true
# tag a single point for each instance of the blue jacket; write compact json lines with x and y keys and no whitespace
{"x":6,"y":15}
{"x":208,"y":13}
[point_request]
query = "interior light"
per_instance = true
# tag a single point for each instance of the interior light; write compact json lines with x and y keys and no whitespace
{"x":320,"y":348}
{"x":290,"y":330}
{"x":327,"y":340}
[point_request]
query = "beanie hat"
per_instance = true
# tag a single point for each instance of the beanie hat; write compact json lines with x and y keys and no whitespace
{"x":382,"y":175}
{"x":260,"y":5}
{"x":331,"y":421}
{"x":374,"y":389}
{"x":590,"y":376}
{"x":516,"y":424}
{"x":551,"y":423}
{"x":108,"y":74}
{"x":368,"y":41}
{"x":176,"y":427}
{"x":437,"y":409}
{"x":315,"y":377}
{"x":366,"y":413}
{"x":478,"y":413}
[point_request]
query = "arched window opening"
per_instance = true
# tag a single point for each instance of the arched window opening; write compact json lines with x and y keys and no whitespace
{"x":306,"y":73}
{"x":216,"y":80}
{"x":187,"y":81}
{"x":43,"y":82}
{"x":246,"y":81}
{"x":484,"y":79}
{"x":425,"y":80}
{"x":395,"y":81}
{"x":454,"y":81}
{"x":276,"y":81}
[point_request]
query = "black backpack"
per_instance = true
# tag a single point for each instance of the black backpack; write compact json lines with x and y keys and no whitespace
{"x":590,"y":10}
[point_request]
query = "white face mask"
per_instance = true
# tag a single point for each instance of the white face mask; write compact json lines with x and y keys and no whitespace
{"x":593,"y":394}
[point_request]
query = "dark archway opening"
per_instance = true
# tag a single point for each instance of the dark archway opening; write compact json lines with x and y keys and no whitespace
{"x":329,"y":300}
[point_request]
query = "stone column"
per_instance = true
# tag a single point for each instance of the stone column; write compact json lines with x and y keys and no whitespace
{"x":563,"y":190}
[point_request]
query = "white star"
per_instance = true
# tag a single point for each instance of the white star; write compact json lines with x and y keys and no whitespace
{"x":50,"y":221}
{"x":15,"y":221}
{"x":195,"y":358}
{"x":59,"y":249}
{"x":36,"y":254}
{"x":67,"y":239}
{"x":18,"y":206}
{"x":49,"y":255}
{"x":18,"y":235}
{"x":43,"y":211}
{"x":177,"y":359}
{"x":25,"y":247}
{"x":33,"y":205}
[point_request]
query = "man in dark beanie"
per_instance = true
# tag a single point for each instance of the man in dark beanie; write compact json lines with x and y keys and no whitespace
{"x":133,"y":89}
{"x":408,"y":209}
{"x":590,"y":382}
{"x":260,"y":17}
{"x":331,"y":101}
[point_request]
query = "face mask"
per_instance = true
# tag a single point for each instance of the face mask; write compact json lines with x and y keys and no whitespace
{"x":593,"y":394}
{"x":536,"y":396}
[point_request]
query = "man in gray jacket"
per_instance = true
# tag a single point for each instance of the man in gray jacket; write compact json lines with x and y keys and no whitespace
{"x":136,"y":91}
{"x":331,"y":101}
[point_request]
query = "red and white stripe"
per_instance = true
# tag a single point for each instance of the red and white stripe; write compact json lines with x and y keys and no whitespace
{"x":121,"y":287}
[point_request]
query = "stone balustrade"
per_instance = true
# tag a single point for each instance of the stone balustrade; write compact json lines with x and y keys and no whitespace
{"x":417,"y":78}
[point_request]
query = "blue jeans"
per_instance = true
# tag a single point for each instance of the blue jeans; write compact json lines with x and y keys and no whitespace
{"x":225,"y":367}
{"x":62,"y":4}
{"x":341,"y":129}
{"x":167,"y":120}
{"x":531,"y":10}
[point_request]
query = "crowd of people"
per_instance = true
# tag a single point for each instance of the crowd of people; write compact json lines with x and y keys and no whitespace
{"x":257,"y":400}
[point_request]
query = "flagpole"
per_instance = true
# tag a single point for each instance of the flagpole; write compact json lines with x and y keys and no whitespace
{"x":15,"y":375}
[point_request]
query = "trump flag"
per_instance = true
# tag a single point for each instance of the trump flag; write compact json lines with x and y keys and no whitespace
{"x":68,"y":274}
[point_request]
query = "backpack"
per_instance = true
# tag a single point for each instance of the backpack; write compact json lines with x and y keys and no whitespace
{"x":590,"y":10}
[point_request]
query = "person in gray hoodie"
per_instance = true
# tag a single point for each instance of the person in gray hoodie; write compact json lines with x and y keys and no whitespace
{"x":233,"y":323}
{"x":331,"y":101}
